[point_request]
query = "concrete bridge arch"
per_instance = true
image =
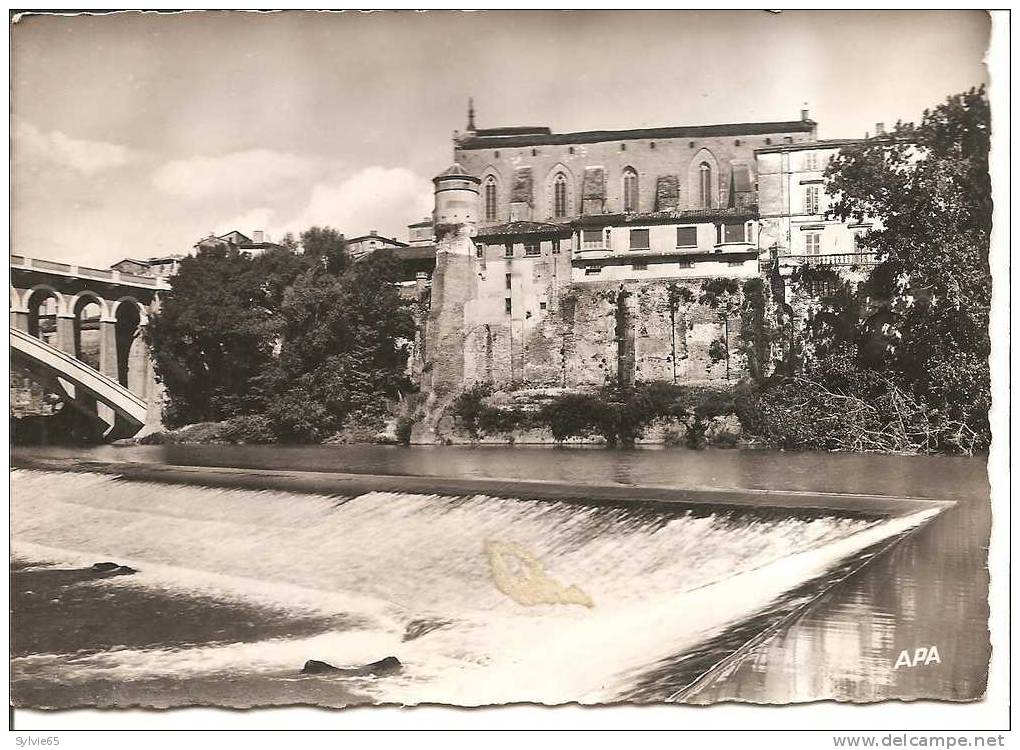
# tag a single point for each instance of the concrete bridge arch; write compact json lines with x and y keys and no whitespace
{"x":96,"y":317}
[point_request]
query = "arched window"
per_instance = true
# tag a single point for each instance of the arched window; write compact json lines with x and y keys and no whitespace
{"x":490,"y":198}
{"x":630,"y":190}
{"x":705,"y":185}
{"x":560,"y":196}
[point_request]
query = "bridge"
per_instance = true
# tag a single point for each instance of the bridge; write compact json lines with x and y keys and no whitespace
{"x":78,"y":332}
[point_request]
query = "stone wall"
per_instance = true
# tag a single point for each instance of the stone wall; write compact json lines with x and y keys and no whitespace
{"x":644,"y":326}
{"x":453,"y":286}
{"x":588,"y":335}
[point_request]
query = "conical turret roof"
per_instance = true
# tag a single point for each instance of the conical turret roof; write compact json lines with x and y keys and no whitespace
{"x":454,"y":170}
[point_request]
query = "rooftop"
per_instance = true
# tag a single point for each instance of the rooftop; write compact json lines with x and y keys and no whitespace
{"x":670,"y":217}
{"x":415,"y":252}
{"x":814,"y":144}
{"x":151,"y":261}
{"x":519,"y":130}
{"x":504,"y":137}
{"x":375,"y":237}
{"x":524,"y":227}
{"x":454,"y":170}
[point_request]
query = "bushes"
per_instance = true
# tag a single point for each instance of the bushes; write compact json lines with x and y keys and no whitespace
{"x":620,"y":416}
{"x":255,"y":428}
{"x":850,"y":409}
{"x":468,"y":406}
{"x":573,"y":415}
{"x":837,"y":405}
{"x":479,"y":418}
{"x":403,"y":430}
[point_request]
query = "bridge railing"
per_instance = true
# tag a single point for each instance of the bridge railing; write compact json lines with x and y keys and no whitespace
{"x":86,"y":272}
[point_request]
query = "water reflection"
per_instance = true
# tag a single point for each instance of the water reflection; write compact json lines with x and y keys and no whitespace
{"x":943,"y":477}
{"x":931,"y":590}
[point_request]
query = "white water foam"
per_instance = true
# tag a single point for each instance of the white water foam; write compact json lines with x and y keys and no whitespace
{"x":660,"y":584}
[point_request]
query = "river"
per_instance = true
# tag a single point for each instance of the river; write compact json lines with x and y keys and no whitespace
{"x":492,"y":597}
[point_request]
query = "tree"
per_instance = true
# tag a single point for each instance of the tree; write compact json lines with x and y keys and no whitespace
{"x":327,"y":246}
{"x":928,"y":187}
{"x":211,"y":338}
{"x":296,"y":343}
{"x":341,"y":354}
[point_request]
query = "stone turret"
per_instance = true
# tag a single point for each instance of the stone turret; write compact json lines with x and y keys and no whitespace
{"x":456,"y":202}
{"x":454,"y":286}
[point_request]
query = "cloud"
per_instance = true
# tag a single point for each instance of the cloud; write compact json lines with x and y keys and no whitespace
{"x":33,"y":147}
{"x":376,"y":197}
{"x":247,"y":222}
{"x":239,"y":175}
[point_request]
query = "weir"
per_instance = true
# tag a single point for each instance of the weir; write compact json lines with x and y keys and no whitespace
{"x":644,"y":586}
{"x":350,"y":484}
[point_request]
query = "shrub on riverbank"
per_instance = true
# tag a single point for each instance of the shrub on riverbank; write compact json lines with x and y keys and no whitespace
{"x":864,"y":412}
{"x":619,"y":416}
{"x":474,"y":414}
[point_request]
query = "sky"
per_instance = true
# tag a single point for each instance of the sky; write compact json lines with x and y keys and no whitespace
{"x":137,"y":134}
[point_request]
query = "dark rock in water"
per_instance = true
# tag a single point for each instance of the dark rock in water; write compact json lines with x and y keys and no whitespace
{"x":418,"y":628}
{"x":389,"y":665}
{"x":313,"y":666}
{"x":113,"y":568}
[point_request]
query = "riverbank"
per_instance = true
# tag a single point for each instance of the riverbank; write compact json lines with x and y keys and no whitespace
{"x":718,"y":432}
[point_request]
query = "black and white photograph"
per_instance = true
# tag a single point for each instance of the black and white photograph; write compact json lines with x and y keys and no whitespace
{"x":517,"y":360}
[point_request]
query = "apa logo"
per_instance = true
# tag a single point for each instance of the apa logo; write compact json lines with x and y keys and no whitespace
{"x":921,"y":657}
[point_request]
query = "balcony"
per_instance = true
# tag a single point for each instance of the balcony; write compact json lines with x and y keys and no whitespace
{"x":742,"y":246}
{"x":830,"y":259}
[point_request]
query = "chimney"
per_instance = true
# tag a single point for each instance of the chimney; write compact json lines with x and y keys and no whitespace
{"x":471,"y":115}
{"x":258,"y":236}
{"x":374,"y":233}
{"x":804,"y":116}
{"x":879,"y":128}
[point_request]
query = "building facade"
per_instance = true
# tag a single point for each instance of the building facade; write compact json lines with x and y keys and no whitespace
{"x":359,"y":247}
{"x":257,"y":244}
{"x":582,"y":259}
{"x":165,"y":266}
{"x":577,"y":259}
{"x":793,"y":204}
{"x":532,"y":174}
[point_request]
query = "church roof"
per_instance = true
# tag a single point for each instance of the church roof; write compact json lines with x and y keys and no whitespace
{"x":482,"y":138}
{"x":518,"y":130}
